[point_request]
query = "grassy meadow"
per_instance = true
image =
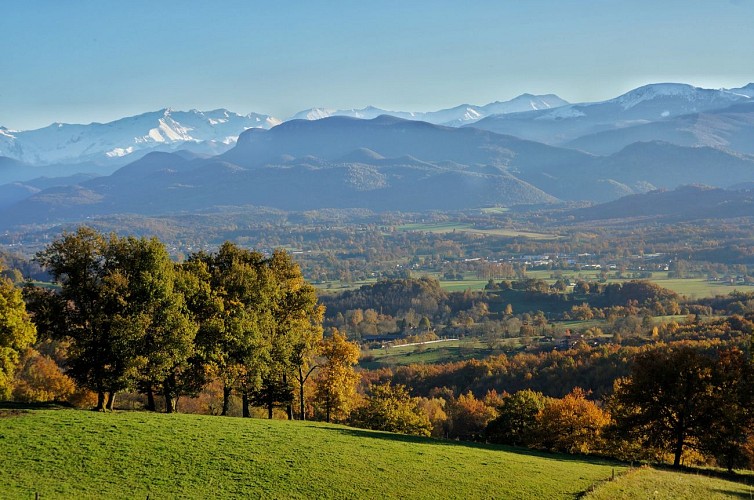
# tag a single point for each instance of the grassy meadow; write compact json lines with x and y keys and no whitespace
{"x":80,"y":454}
{"x":669,"y":485}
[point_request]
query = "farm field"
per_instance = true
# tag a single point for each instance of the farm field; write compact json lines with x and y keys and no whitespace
{"x":440,"y":352}
{"x":449,"y":227}
{"x":690,"y":287}
{"x":81,"y":454}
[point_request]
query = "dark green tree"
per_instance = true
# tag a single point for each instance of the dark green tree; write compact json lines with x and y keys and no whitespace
{"x":680,"y":396}
{"x":516,"y":422}
{"x":152,"y":321}
{"x":236,"y":321}
{"x":84,"y":311}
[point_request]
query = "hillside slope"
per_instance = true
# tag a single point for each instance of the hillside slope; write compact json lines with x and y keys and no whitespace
{"x":79,"y":454}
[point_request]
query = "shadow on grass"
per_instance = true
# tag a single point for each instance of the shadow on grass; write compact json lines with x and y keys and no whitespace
{"x":403,"y":438}
{"x":732,"y":494}
{"x":746,"y":478}
{"x":13,"y":405}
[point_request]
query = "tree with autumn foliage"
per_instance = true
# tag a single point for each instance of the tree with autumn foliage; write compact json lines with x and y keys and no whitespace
{"x":391,"y":408}
{"x":17,"y":332}
{"x":297,"y":326}
{"x":468,"y":417}
{"x":684,"y":396}
{"x":572,"y":424}
{"x":40,"y":379}
{"x":336,"y":379}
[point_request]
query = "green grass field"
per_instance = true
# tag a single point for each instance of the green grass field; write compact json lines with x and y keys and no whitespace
{"x":667,"y":485}
{"x":450,"y":227}
{"x":440,"y":352}
{"x":82,"y":454}
{"x":693,"y":288}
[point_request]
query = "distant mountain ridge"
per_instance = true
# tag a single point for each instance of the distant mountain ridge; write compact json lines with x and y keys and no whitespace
{"x":689,"y":202}
{"x":543,"y":118}
{"x":456,"y":116}
{"x":647,"y":104}
{"x":383,"y":164}
{"x":200,"y":131}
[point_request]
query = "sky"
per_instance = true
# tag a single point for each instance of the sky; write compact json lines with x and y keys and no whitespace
{"x":82,"y":61}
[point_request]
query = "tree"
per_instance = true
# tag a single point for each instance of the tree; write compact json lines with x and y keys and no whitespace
{"x":572,"y":424}
{"x":40,"y":379}
{"x":153,"y":319}
{"x":336,"y":379}
{"x":297,"y":327}
{"x":17,"y":332}
{"x":83,"y":311}
{"x":468,"y":417}
{"x":670,"y":401}
{"x":391,"y":408}
{"x":517,"y":422}
{"x":726,"y":438}
{"x":118,"y":306}
{"x":232,"y":305}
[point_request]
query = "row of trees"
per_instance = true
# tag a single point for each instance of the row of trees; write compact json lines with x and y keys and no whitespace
{"x":135,"y":320}
{"x":678,"y":398}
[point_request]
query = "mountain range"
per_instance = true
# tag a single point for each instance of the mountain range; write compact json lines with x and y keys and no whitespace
{"x":102,"y":146}
{"x":657,"y":103}
{"x":654,"y":137}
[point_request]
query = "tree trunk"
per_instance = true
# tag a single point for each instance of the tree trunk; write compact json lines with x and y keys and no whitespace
{"x":151,"y":405}
{"x":245,"y":404}
{"x":110,"y":401}
{"x":226,"y":399}
{"x":679,"y":439}
{"x":100,"y":401}
{"x":302,"y":380}
{"x":169,"y":402}
{"x":270,"y":403}
{"x":289,"y":404}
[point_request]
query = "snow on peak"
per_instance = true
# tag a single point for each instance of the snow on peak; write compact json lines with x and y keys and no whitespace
{"x":677,"y":90}
{"x":61,"y":142}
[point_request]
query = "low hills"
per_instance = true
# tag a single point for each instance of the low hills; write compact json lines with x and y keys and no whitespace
{"x":684,"y":203}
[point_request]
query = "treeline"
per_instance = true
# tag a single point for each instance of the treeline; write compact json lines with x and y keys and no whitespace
{"x":686,"y":402}
{"x":556,"y":373}
{"x":505,"y":309}
{"x":130,"y":319}
{"x":680,"y":401}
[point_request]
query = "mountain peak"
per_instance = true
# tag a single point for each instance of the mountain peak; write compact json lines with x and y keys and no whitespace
{"x":681,"y":91}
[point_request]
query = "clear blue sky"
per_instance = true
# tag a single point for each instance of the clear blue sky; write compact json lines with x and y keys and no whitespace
{"x":83,"y":61}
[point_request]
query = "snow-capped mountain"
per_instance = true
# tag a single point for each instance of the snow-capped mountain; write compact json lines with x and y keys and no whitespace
{"x":748,"y":90}
{"x":679,"y":97}
{"x":646,"y":104}
{"x":200,"y":131}
{"x":453,"y":117}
